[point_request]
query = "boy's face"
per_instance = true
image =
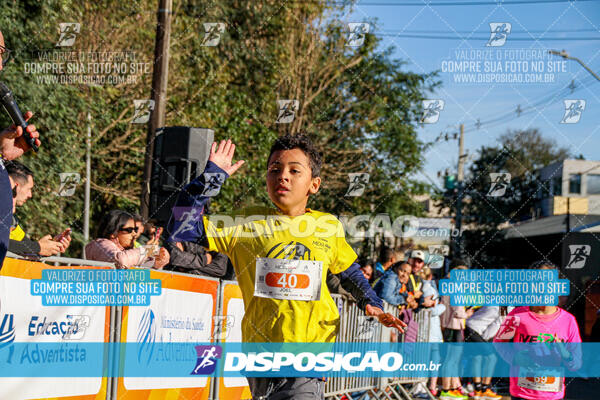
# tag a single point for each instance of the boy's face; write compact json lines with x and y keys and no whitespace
{"x":290,"y":181}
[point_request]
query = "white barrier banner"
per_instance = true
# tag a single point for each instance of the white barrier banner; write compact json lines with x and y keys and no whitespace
{"x":23,"y":319}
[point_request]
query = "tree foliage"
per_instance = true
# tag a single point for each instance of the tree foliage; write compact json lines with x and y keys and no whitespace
{"x":521,"y":153}
{"x":360,"y":105}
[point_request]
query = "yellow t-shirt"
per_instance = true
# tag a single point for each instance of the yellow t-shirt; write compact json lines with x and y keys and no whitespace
{"x":314,"y":236}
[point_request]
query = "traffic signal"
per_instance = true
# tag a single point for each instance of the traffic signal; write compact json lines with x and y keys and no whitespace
{"x":450,"y":182}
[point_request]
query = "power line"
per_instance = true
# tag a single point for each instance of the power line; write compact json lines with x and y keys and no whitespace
{"x":432,"y":31}
{"x":501,"y":119}
{"x":511,"y":38}
{"x":460,"y":3}
{"x":550,"y":98}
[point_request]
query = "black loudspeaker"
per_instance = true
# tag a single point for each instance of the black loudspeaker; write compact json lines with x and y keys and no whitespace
{"x":180,"y":154}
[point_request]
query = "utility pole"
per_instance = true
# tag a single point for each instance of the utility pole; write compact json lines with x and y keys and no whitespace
{"x":460,"y":176}
{"x":568,"y":219}
{"x":159,"y":94}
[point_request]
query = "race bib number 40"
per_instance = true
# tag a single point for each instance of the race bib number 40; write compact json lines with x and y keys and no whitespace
{"x":288,"y":279}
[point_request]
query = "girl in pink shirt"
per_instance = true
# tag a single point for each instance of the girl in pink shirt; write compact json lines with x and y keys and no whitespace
{"x":539,"y":324}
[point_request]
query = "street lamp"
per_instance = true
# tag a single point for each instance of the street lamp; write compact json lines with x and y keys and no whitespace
{"x":565,"y":55}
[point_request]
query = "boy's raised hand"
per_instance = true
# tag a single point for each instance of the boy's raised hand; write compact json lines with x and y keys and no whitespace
{"x":222,"y":155}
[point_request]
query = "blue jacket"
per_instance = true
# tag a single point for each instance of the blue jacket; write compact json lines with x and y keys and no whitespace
{"x":5,"y":211}
{"x":388,"y":288}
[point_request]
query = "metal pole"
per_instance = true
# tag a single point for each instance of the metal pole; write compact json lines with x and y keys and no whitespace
{"x":88,"y":178}
{"x":159,"y":94}
{"x":565,"y":55}
{"x":460,"y":178}
{"x":568,"y":221}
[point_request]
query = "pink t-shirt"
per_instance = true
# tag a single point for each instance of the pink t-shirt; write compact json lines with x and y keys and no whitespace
{"x":522,"y":325}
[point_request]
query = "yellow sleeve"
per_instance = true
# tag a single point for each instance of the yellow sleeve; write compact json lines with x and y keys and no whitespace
{"x":345,"y":255}
{"x":221,"y":233}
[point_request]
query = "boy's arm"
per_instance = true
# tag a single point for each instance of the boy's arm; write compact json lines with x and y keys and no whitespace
{"x":186,"y":224}
{"x":355,"y":282}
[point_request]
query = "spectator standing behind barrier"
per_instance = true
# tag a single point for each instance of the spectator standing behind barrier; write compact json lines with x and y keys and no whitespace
{"x":388,"y":258}
{"x":405,"y":274}
{"x":192,"y":258}
{"x":116,"y":233}
{"x":22,"y":181}
{"x":368,"y":270}
{"x":148,"y":232}
{"x":482,"y":326}
{"x":391,"y":287}
{"x":139,"y":224}
{"x":453,"y":323}
{"x":12,"y":146}
{"x":415,"y":284}
{"x":435,"y":330}
{"x":550,"y":324}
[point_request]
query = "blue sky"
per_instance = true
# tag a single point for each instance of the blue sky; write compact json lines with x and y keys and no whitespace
{"x":466,"y":102}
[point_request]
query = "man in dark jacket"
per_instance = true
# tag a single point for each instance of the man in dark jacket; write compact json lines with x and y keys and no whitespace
{"x":22,"y":179}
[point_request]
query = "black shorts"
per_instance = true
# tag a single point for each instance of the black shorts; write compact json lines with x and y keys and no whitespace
{"x":473,"y":337}
{"x":453,"y":336}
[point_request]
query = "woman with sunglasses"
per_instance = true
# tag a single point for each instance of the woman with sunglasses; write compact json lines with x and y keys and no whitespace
{"x":116,"y":237}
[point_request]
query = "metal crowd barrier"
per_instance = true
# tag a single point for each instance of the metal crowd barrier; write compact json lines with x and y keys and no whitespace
{"x":66,"y":261}
{"x":355,"y":326}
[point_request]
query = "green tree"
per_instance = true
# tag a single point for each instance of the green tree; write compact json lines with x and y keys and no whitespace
{"x":360,"y":105}
{"x":520,"y":153}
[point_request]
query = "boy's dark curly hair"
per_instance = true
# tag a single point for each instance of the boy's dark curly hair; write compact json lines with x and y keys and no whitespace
{"x":302,"y":142}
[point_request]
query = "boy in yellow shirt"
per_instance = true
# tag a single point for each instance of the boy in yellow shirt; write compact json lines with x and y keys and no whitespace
{"x":281,"y":255}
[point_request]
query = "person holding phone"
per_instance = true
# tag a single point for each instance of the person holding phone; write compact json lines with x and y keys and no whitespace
{"x":22,"y":183}
{"x":115,"y":243}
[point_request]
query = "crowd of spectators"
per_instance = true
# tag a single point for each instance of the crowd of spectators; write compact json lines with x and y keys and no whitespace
{"x":402,"y":279}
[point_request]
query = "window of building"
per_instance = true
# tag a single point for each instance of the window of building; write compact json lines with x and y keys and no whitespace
{"x":593,"y":184}
{"x":557,"y":185}
{"x":575,"y":183}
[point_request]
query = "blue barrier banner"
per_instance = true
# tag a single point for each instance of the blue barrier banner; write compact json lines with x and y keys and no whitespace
{"x":95,"y":287}
{"x":504,"y":287}
{"x":178,"y":359}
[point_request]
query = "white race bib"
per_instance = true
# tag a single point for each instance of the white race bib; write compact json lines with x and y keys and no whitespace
{"x":288,"y":279}
{"x":540,"y":383}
